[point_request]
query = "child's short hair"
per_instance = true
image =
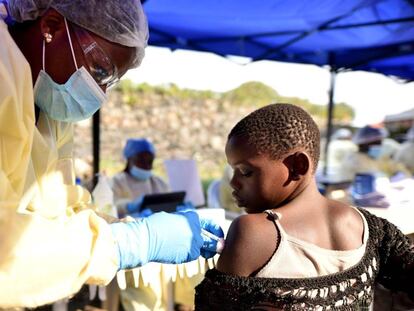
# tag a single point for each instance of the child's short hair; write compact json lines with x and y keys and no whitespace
{"x":279,"y":128}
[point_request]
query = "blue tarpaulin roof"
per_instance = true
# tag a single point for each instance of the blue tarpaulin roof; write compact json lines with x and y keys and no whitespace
{"x":370,"y":35}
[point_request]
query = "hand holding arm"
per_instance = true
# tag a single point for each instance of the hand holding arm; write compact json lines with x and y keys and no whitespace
{"x":211,"y":232}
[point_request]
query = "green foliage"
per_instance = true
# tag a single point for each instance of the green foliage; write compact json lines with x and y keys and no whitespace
{"x":131,"y":92}
{"x":143,"y":88}
{"x":250,"y":94}
{"x":304,"y":103}
{"x":174,"y":91}
{"x":255,"y":94}
{"x":343,"y":112}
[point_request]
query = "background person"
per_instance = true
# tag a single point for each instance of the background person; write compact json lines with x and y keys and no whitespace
{"x":405,"y":155}
{"x":52,"y":241}
{"x":368,"y":159}
{"x":389,"y":147}
{"x":340,"y":148}
{"x":137,"y":179}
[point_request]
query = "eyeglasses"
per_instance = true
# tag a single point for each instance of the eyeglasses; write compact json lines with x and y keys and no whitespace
{"x":101,"y":67}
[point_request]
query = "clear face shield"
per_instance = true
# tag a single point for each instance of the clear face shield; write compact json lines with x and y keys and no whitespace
{"x":100,"y":65}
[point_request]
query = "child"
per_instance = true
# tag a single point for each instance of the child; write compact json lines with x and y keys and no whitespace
{"x":295,"y":249}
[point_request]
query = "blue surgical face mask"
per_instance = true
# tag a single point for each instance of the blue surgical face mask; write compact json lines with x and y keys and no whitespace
{"x":374,"y":151}
{"x":78,"y":99}
{"x":139,"y":173}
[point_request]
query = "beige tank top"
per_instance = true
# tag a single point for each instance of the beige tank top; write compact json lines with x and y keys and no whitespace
{"x":296,"y":258}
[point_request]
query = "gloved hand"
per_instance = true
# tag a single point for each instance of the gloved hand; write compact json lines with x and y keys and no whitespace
{"x":210,"y":245}
{"x":186,"y":206}
{"x":209,"y":248}
{"x":144,"y":213}
{"x":135,"y":205}
{"x":162,"y":237}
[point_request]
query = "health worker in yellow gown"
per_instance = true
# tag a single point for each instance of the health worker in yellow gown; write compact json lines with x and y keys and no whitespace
{"x":57,"y":57}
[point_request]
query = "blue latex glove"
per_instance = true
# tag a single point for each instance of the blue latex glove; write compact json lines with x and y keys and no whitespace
{"x":210,"y":245}
{"x":144,"y":213}
{"x":186,"y":206}
{"x":134,"y":206}
{"x":162,"y":237}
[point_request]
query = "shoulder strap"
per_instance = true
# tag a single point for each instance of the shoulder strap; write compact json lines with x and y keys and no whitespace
{"x":272,"y":215}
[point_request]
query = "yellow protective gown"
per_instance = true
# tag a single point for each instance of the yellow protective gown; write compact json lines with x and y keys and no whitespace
{"x":49,"y":243}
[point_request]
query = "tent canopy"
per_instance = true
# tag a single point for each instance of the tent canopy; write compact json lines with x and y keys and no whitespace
{"x":372,"y":35}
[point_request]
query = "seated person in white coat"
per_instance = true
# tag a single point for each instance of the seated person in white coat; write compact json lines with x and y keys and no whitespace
{"x":137,"y":179}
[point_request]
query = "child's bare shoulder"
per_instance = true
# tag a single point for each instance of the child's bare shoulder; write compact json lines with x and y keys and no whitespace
{"x":345,"y":215}
{"x":346,"y":225}
{"x":250,"y":242}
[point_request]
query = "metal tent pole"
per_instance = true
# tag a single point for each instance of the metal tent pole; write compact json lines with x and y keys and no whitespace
{"x":330,"y":119}
{"x":96,"y":133}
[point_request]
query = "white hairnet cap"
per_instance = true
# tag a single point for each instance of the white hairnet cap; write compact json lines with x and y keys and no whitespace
{"x":410,"y":134}
{"x":367,"y":135}
{"x":119,"y":21}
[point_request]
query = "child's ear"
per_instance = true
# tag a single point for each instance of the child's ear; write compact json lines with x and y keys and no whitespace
{"x":297,"y":164}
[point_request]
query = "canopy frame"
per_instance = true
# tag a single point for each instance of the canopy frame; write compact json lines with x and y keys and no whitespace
{"x":363,"y":58}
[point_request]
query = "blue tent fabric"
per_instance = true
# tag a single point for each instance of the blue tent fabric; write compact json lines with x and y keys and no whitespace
{"x":372,"y":35}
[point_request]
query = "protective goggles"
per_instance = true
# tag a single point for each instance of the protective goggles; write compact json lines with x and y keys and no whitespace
{"x":101,"y":67}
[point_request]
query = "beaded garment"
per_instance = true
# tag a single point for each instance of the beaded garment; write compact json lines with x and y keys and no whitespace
{"x":388,"y":259}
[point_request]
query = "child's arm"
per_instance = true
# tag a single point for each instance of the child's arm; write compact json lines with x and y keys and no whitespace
{"x":250,"y":243}
{"x":397,"y":261}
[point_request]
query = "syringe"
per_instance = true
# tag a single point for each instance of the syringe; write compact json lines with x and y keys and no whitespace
{"x":220,"y":241}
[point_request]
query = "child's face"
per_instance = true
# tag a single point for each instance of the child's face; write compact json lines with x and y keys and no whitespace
{"x":258,"y":181}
